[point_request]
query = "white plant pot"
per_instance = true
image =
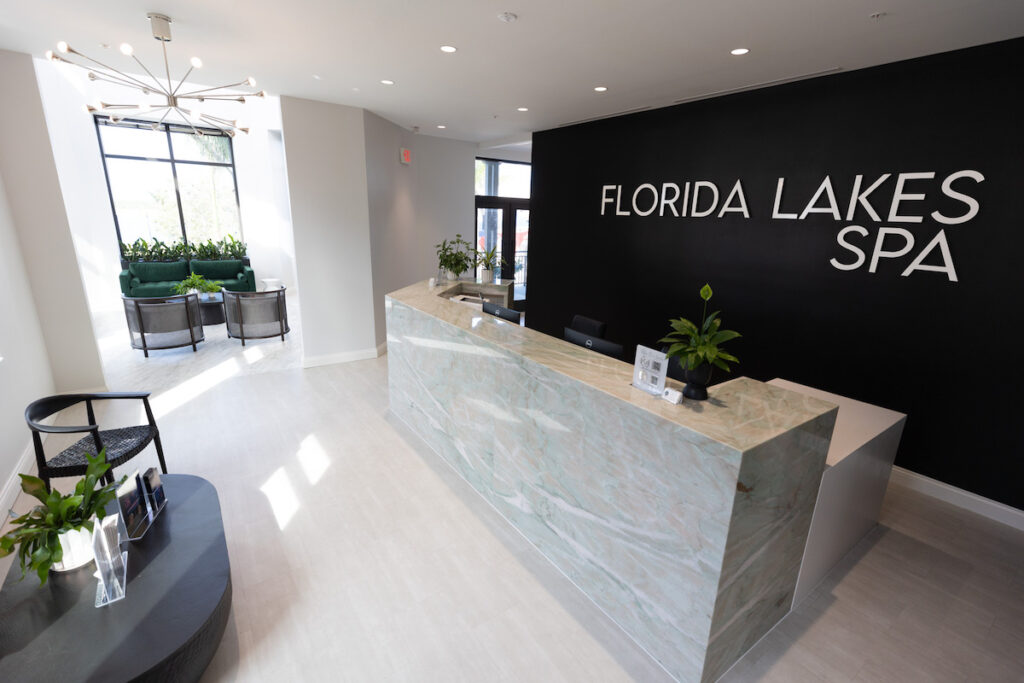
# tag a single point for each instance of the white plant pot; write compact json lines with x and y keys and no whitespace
{"x":77,"y":547}
{"x":486,"y":276}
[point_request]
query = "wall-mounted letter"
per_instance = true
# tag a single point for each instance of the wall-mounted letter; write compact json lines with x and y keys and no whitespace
{"x":737,"y":191}
{"x":899,"y":195}
{"x":778,"y":201}
{"x":841,"y":238}
{"x":971,"y":202}
{"x":908,"y":244}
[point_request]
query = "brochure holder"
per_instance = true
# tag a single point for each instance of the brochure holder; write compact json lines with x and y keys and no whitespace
{"x":111,"y":562}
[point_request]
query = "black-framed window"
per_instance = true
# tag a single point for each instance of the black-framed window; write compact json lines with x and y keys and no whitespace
{"x":168,"y":183}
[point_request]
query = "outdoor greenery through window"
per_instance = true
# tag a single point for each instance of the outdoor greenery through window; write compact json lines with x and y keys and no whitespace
{"x":169,"y":183}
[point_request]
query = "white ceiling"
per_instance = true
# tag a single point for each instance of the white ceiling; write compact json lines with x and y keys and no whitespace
{"x":649,"y":53}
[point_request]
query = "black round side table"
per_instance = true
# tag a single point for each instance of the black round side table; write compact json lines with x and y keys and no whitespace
{"x":168,"y":626}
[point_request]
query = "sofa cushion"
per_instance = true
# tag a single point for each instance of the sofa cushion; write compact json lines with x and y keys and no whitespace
{"x":217,"y":270}
{"x":234,"y":285}
{"x":165,"y":288}
{"x":159,"y":271}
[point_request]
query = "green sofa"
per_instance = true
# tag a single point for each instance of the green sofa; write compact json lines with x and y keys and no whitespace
{"x":157,"y":278}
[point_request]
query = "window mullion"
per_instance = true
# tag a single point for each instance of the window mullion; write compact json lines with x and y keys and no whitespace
{"x":177,"y":190}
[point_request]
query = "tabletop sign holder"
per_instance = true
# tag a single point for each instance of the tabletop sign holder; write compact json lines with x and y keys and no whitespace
{"x":111,"y":561}
{"x":649,"y":370}
{"x":140,"y":503}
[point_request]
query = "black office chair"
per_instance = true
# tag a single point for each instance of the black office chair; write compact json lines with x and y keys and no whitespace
{"x":602,"y":346}
{"x":502,"y":312}
{"x":122,"y":443}
{"x":588,"y":326}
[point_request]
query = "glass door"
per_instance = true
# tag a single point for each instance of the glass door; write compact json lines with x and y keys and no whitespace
{"x":505,"y":223}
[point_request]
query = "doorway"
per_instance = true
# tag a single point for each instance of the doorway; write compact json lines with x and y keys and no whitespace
{"x":503,"y":220}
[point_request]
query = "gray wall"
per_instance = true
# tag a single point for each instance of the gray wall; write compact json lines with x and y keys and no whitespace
{"x":414,"y":206}
{"x":24,"y":367}
{"x":325,"y":159}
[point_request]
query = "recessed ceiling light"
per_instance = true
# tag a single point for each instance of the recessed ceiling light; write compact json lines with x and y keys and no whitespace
{"x":740,"y":51}
{"x":387,"y":82}
{"x":448,"y":48}
{"x":523,"y":109}
{"x":315,"y":77}
{"x":441,"y":126}
{"x":600,"y":88}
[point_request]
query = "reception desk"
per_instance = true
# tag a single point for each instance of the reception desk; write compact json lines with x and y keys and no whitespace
{"x":684,"y":523}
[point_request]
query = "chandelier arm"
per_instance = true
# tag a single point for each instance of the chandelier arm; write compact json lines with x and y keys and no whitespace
{"x":159,"y":85}
{"x":219,"y":87}
{"x":186,"y":120}
{"x":182,"y":81}
{"x":108,"y":68}
{"x":166,"y":113}
{"x":215,"y":98}
{"x":211,"y":117}
{"x":102,"y":76}
{"x":213,"y":121}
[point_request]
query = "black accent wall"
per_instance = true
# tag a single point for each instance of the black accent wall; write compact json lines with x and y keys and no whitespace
{"x":945,"y":352}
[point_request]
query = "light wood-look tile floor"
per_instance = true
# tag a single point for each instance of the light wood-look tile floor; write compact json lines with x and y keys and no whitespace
{"x":358,"y":555}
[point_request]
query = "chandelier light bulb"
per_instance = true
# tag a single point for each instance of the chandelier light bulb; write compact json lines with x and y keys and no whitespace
{"x":127,"y":50}
{"x":196,"y":63}
{"x":49,"y":55}
{"x":63,"y":47}
{"x":251,"y":81}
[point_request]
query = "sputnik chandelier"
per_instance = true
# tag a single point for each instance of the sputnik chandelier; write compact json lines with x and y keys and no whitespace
{"x":182,"y":104}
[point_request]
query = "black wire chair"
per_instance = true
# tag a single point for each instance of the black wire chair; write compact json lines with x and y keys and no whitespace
{"x":122,"y":443}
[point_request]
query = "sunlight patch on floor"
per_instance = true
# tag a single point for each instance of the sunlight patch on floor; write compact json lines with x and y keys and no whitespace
{"x":313,"y":459}
{"x":181,"y":394}
{"x":281,"y":496}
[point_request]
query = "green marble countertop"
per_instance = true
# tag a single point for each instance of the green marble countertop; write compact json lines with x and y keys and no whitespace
{"x":741,"y":413}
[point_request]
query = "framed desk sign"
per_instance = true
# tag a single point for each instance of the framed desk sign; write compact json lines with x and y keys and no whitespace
{"x":649,"y":370}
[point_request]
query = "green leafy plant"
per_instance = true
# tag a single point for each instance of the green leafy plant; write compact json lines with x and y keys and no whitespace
{"x":489,"y":259}
{"x":207,"y":251}
{"x":456,"y":256}
{"x":198,"y":283}
{"x":36,"y":533}
{"x":694,"y":345}
{"x":232,"y":248}
{"x":136,"y":251}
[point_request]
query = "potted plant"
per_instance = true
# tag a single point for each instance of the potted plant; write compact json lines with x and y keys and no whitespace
{"x":57,"y":534}
{"x":454,"y":258}
{"x":198,"y":284}
{"x":489,"y":261}
{"x":698,"y":348}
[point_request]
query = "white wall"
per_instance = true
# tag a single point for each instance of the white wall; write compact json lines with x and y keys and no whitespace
{"x":36,"y":207}
{"x":263,"y":198}
{"x":415,"y":206}
{"x":76,"y":152}
{"x":24,"y":368}
{"x":325,"y":157}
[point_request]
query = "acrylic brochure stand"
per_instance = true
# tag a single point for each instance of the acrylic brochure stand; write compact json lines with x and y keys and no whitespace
{"x":111,"y":562}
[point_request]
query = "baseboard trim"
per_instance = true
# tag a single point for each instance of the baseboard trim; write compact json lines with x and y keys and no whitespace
{"x":986,"y":507}
{"x":12,"y":487}
{"x":382,"y":349}
{"x":346,"y":357}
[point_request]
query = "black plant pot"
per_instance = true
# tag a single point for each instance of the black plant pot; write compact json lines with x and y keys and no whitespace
{"x":697,"y":382}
